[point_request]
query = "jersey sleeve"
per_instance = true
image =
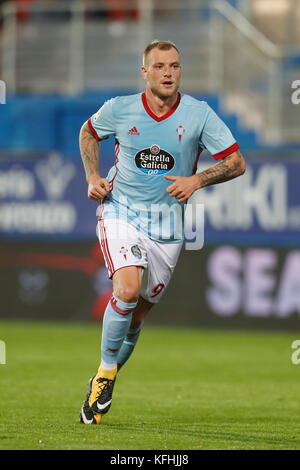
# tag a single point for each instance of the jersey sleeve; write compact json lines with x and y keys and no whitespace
{"x":102,"y":123}
{"x":216,"y":137}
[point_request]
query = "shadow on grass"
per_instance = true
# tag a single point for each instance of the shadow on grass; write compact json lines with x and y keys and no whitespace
{"x":263,"y":437}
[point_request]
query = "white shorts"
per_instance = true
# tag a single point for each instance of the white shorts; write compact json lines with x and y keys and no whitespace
{"x":123,"y":245}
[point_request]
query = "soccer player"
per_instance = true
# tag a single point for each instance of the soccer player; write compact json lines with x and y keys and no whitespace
{"x":159,"y":135}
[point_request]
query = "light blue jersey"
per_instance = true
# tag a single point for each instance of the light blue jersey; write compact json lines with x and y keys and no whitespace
{"x":147,"y":148}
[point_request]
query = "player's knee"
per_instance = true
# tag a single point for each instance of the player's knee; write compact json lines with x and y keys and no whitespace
{"x":127,"y":293}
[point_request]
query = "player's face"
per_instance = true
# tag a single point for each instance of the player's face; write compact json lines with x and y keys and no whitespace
{"x":162,"y":72}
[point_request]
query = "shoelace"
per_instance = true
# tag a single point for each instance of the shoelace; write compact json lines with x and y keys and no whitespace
{"x":103,"y":384}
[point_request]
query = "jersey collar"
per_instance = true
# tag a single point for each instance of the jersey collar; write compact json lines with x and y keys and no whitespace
{"x":165,"y":116}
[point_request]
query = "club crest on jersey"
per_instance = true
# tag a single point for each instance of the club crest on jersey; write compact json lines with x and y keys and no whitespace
{"x":135,"y":250}
{"x":154,"y":160}
{"x":180,"y":131}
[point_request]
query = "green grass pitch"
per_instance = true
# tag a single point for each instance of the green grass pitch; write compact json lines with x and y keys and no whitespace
{"x":182,"y":389}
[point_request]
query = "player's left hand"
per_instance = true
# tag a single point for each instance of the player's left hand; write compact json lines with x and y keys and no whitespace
{"x":182,"y":187}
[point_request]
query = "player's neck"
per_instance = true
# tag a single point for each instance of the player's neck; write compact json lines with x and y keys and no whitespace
{"x":158,"y":105}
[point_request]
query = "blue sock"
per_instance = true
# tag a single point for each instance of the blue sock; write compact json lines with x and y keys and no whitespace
{"x":116,"y":322}
{"x":128,"y":345}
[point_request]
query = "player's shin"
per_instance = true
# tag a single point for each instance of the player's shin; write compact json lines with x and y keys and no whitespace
{"x":128,"y":345}
{"x":116,"y":322}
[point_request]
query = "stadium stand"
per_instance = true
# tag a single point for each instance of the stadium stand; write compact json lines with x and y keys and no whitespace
{"x":242,"y":63}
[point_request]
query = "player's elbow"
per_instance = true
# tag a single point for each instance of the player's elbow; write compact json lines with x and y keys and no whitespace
{"x":239,"y":164}
{"x":242,"y":166}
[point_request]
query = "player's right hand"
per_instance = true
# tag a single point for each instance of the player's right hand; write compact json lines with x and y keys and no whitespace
{"x":97,"y":188}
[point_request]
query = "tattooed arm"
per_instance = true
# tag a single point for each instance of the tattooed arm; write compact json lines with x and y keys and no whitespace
{"x":89,"y":148}
{"x":228,"y":168}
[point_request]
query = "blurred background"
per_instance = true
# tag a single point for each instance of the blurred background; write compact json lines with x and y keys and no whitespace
{"x":59,"y":61}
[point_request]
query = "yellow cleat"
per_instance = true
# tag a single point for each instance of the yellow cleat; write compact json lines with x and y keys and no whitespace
{"x":86,"y":415}
{"x":98,"y":418}
{"x":102,"y":387}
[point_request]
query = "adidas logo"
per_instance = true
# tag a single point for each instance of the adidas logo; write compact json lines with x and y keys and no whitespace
{"x":133,"y":131}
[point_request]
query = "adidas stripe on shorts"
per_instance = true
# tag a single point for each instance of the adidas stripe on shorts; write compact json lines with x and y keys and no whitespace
{"x":123,"y":245}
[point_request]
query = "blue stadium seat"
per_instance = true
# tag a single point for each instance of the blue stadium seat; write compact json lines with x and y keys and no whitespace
{"x":52,"y":122}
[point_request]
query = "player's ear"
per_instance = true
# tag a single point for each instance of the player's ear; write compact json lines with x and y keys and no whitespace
{"x":143,"y":71}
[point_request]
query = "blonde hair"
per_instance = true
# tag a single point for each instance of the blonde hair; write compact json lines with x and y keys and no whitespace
{"x":161,"y":45}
